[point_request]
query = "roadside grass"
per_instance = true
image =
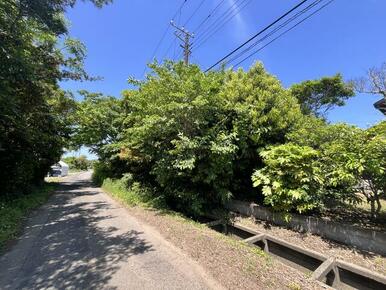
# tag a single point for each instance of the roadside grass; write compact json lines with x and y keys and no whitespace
{"x":13,"y":211}
{"x":233,"y":262}
{"x":138,"y":195}
{"x":135,"y":195}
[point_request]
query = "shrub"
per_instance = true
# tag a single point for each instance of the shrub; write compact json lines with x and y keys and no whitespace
{"x":132,"y":192}
{"x":78,"y":163}
{"x":325,"y":164}
{"x":195,"y":136}
{"x":100,"y":173}
{"x":291,"y":179}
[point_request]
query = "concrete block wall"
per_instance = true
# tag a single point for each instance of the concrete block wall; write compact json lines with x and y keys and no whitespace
{"x":363,"y":239}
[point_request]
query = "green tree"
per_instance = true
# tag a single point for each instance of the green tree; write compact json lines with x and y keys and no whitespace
{"x":373,"y":166}
{"x":195,"y":136}
{"x":78,"y":163}
{"x":34,"y":112}
{"x":319,"y":96}
{"x":97,"y":122}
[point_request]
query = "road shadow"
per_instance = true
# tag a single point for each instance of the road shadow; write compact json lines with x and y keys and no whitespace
{"x":72,"y":250}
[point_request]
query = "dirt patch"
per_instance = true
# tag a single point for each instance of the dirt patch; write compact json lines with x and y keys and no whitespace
{"x":357,"y":215}
{"x":326,"y":247}
{"x":234,"y":264}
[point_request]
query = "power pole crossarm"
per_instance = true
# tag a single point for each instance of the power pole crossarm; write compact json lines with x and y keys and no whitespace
{"x":185,"y":37}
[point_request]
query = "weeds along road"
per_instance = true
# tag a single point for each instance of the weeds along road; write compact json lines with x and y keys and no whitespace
{"x":82,"y":239}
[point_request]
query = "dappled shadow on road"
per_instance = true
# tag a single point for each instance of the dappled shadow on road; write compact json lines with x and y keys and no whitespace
{"x":78,"y":247}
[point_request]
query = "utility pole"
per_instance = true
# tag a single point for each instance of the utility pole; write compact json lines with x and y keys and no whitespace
{"x":185,"y":37}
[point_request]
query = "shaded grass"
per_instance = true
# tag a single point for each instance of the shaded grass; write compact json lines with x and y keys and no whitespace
{"x":366,"y":207}
{"x":358,"y":215}
{"x":133,"y":194}
{"x":233,"y":262}
{"x":137,"y":195}
{"x":13,"y":211}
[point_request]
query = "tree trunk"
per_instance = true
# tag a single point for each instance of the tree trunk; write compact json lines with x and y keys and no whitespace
{"x":379,"y":206}
{"x":372,"y":204}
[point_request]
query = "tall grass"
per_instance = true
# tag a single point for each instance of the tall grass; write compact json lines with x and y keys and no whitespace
{"x":14,"y":210}
{"x":133,"y":193}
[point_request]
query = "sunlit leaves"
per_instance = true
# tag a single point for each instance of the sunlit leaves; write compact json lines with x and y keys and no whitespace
{"x":291,"y":177}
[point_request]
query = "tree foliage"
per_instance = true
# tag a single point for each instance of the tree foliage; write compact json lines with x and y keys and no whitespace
{"x":346,"y":161}
{"x":97,"y":122}
{"x":291,"y":179}
{"x":320,"y":96}
{"x":196,"y":136}
{"x":78,"y":163}
{"x":34,"y":112}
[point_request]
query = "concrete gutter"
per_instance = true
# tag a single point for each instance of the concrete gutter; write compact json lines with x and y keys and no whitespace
{"x":364,"y":239}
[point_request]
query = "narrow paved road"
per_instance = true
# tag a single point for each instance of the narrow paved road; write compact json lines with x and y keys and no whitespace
{"x":82,"y":239}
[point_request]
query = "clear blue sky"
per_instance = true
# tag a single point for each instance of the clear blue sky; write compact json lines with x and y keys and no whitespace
{"x":346,"y":37}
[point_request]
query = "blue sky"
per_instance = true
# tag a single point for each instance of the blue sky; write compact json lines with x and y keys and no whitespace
{"x":345,"y":37}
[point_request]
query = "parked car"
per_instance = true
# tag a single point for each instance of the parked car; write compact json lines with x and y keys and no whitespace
{"x":59,"y":169}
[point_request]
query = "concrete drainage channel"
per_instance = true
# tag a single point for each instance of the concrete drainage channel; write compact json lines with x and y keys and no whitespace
{"x":329,"y":271}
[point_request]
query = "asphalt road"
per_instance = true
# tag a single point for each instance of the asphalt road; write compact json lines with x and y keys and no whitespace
{"x":82,"y":239}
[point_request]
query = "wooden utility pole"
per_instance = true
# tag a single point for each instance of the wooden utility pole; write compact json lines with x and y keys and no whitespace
{"x":185,"y":37}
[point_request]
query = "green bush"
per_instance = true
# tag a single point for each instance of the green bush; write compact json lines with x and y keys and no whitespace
{"x":325,"y":164}
{"x":133,"y":193}
{"x":101,"y":171}
{"x":78,"y":163}
{"x":196,"y":136}
{"x":291,"y":179}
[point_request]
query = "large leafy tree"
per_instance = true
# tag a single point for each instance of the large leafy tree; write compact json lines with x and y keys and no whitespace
{"x":196,"y":136}
{"x":33,"y":110}
{"x":97,"y":122}
{"x":319,"y":96}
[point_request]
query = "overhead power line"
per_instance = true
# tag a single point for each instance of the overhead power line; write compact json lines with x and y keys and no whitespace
{"x":283,"y":33}
{"x":194,"y":12}
{"x":282,"y":25}
{"x":257,"y":34}
{"x":179,"y":9}
{"x":211,"y":13}
{"x":233,"y":11}
{"x":219,"y":21}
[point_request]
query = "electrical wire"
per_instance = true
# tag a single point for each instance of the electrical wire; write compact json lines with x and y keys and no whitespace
{"x":286,"y":31}
{"x":211,"y":13}
{"x":219,"y":22}
{"x":288,"y":21}
{"x":194,"y":13}
{"x":165,"y":33}
{"x":258,"y":33}
{"x":220,"y":25}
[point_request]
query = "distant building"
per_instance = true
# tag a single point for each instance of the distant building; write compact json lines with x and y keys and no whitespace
{"x":381,"y":105}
